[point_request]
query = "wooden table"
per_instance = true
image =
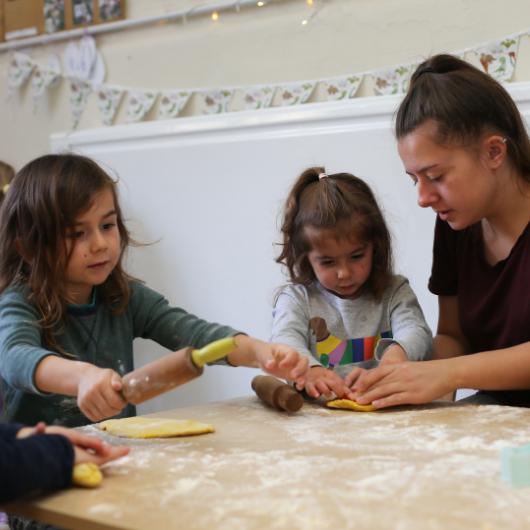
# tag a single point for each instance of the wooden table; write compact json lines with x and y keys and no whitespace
{"x":426,"y":468}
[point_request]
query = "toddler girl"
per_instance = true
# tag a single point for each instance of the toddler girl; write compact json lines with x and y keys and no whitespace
{"x":344,"y":309}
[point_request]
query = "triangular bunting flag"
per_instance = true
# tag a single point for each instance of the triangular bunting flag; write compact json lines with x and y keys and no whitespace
{"x":108,"y":101}
{"x":20,"y":69}
{"x":498,"y":58}
{"x":257,"y":97}
{"x":216,"y":101}
{"x":79,"y":92}
{"x":341,"y":88}
{"x":139,"y":103}
{"x":392,"y":80}
{"x":294,"y":93}
{"x":171,"y":103}
{"x":42,"y":79}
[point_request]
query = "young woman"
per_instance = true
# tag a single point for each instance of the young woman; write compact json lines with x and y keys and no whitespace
{"x":465,"y":146}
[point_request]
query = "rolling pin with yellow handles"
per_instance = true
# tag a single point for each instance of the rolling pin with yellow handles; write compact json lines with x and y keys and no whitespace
{"x":172,"y":370}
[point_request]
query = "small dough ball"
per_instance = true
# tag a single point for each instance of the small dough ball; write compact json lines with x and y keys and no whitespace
{"x":87,"y":475}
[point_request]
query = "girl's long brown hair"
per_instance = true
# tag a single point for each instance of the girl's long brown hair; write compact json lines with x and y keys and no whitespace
{"x":43,"y":201}
{"x":343,"y":204}
{"x":464,"y":103}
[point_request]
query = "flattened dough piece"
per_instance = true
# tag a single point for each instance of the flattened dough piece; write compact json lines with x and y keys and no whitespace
{"x":87,"y":475}
{"x":141,"y":427}
{"x":349,"y":405}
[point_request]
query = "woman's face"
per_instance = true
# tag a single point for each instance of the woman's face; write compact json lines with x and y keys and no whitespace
{"x":458,"y":183}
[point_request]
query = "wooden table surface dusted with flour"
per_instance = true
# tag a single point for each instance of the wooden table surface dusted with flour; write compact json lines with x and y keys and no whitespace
{"x":427,"y":468}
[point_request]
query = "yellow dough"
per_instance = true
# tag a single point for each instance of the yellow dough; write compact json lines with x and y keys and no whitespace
{"x":350,"y":405}
{"x":140,"y":427}
{"x":87,"y":475}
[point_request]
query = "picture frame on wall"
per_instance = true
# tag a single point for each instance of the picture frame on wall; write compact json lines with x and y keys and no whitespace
{"x":54,"y":16}
{"x":82,"y":12}
{"x":110,"y":10}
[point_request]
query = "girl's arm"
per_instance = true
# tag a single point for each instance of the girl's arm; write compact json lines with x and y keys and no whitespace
{"x":34,"y":463}
{"x":97,"y":389}
{"x":410,"y":331}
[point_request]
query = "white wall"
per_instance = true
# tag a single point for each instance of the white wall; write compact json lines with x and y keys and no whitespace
{"x":209,"y":190}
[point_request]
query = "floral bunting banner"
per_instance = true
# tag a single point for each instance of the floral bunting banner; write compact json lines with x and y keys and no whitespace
{"x":215,"y":101}
{"x":139,"y":103}
{"x":257,"y":97}
{"x":83,"y":68}
{"x":42,"y":79}
{"x":79,"y":92}
{"x":342,"y":88}
{"x":20,"y":69}
{"x":392,"y":80}
{"x":294,"y":93}
{"x":171,"y":103}
{"x":498,"y":58}
{"x":108,"y":101}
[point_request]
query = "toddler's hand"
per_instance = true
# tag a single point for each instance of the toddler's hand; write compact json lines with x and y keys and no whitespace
{"x":89,"y":448}
{"x":282,"y":361}
{"x":98,"y":393}
{"x":394,"y":354}
{"x":321,"y":381}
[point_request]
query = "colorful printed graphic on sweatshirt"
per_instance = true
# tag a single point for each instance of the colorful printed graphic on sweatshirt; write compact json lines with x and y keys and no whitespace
{"x":332,"y":351}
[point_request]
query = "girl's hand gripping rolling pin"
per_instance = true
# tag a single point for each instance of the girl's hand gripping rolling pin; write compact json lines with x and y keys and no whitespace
{"x":172,"y":370}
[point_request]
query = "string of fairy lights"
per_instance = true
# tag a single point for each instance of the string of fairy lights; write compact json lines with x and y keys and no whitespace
{"x":213,"y":11}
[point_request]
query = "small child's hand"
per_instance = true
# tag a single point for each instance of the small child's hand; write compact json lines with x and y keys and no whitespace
{"x":321,"y":381}
{"x":30,"y":431}
{"x":99,"y":393}
{"x":284,"y":362}
{"x":278,"y":359}
{"x":394,"y":354}
{"x":89,"y":448}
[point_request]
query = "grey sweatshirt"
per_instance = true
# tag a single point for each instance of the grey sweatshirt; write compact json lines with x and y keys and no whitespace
{"x":341,"y":333}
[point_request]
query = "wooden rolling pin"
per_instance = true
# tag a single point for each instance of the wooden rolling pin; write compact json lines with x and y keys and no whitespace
{"x":276,"y":393}
{"x":172,"y":370}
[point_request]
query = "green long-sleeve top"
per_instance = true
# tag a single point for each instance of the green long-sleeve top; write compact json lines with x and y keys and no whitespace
{"x":91,"y":334}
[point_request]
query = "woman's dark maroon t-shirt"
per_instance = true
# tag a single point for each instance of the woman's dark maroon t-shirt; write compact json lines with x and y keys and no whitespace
{"x":493,"y":300}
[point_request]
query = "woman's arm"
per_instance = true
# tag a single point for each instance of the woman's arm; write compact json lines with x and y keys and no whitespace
{"x":449,"y":340}
{"x":413,"y":383}
{"x":405,"y":383}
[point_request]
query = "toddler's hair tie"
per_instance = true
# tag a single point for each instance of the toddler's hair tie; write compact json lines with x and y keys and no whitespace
{"x":322,"y":176}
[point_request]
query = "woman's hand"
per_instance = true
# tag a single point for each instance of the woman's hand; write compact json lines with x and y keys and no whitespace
{"x":99,"y":393}
{"x":403,"y":383}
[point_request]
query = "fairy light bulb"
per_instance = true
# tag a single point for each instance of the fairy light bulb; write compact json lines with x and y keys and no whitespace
{"x":260,"y":4}
{"x":310,"y":3}
{"x":215,"y":16}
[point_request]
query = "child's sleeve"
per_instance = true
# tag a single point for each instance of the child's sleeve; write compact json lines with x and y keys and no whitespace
{"x":172,"y":327}
{"x":409,"y":328}
{"x":38,"y":462}
{"x":20,"y":341}
{"x":290,"y":324}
